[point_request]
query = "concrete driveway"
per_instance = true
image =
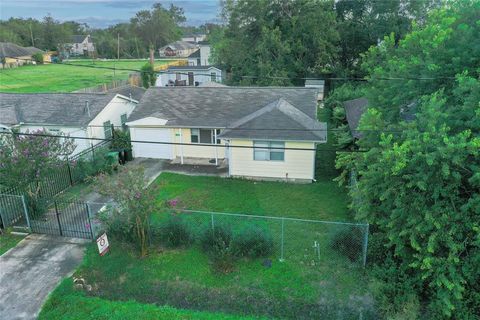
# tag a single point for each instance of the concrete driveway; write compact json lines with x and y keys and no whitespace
{"x":31,"y":270}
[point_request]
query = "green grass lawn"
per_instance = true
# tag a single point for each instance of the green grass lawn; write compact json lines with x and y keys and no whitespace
{"x":301,"y":287}
{"x":8,"y":241}
{"x":68,"y":304}
{"x":65,"y":78}
{"x":322,"y":200}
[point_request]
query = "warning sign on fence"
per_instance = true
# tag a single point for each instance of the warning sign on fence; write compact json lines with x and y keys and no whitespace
{"x":102,"y":244}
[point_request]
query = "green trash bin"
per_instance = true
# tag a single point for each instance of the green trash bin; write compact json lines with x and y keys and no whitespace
{"x":112,"y":157}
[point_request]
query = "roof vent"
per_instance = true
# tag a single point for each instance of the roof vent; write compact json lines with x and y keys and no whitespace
{"x":87,"y":108}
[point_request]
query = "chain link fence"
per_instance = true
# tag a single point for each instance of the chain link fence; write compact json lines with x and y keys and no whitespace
{"x":303,"y":241}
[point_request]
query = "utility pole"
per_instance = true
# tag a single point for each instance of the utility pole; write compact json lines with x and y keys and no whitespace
{"x":31,"y":34}
{"x":118,"y":46}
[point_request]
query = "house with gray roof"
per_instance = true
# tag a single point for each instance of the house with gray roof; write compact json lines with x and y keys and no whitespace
{"x":79,"y":45}
{"x":83,"y":115}
{"x":193,"y":75}
{"x":12,"y":55}
{"x":258,"y":132}
{"x":178,"y":49}
{"x":354,"y":110}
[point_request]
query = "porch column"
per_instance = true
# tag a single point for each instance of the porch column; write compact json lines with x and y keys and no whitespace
{"x":181,"y":146}
{"x":215,"y":141}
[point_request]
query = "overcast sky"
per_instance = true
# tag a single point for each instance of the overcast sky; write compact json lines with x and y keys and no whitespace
{"x":102,"y":13}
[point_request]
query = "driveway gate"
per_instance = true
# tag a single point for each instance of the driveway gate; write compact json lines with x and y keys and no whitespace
{"x":68,"y":219}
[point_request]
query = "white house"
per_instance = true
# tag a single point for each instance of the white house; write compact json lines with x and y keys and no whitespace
{"x":194,"y":37}
{"x":84,"y":115}
{"x":201,"y":57}
{"x":180,"y":49}
{"x":261,"y":133}
{"x":79,"y":45}
{"x":188,"y":76}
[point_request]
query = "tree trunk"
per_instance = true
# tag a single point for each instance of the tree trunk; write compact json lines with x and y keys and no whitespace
{"x":152,"y":57}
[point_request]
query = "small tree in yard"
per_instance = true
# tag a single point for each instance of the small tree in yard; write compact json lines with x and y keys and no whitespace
{"x":135,"y":204}
{"x":27,"y":160}
{"x":38,"y":57}
{"x":148,"y":75}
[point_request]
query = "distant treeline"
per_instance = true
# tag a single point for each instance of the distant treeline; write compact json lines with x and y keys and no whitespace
{"x":147,"y":29}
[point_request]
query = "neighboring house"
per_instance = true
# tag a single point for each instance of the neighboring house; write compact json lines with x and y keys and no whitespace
{"x":13,"y":55}
{"x":201,"y":57}
{"x":252,"y":129}
{"x":188,"y":76}
{"x":353,"y":111}
{"x":47,"y":56}
{"x":88,"y":115}
{"x":178,"y":49}
{"x":79,"y":45}
{"x":194,"y":37}
{"x":319,"y":84}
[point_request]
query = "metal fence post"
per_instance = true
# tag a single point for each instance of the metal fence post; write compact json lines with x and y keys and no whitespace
{"x":89,"y":221}
{"x":69,"y":172}
{"x":213,"y":224}
{"x":281,"y":252}
{"x":365,"y":245}
{"x":25,"y":210}
{"x":58,"y":219}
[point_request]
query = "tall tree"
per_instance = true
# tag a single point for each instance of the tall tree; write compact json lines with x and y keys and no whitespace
{"x":157,"y":27}
{"x":276,"y":41}
{"x":419,"y":180}
{"x":363,"y":23}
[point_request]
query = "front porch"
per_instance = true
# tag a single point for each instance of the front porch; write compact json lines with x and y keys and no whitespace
{"x":197,"y":166}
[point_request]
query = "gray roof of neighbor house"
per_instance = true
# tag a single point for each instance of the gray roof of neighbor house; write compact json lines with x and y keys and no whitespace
{"x":33,"y":50}
{"x":78,"y":38}
{"x":68,"y":109}
{"x":128,"y":91}
{"x":250,"y":112}
{"x":192,"y":68}
{"x":196,"y":54}
{"x":179,"y":45}
{"x":354,"y":110}
{"x":11,"y":50}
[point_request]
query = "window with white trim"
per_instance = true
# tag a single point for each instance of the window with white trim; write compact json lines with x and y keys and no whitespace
{"x":206,"y":136}
{"x":266,"y":151}
{"x":123,"y":119}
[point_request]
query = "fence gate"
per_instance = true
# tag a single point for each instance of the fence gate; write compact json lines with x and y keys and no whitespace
{"x":68,"y":219}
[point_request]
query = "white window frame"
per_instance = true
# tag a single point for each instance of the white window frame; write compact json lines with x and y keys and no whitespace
{"x":267,"y":148}
{"x":107,"y":127}
{"x":196,"y":132}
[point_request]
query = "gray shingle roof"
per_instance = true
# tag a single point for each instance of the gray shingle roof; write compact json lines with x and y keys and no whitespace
{"x":33,"y":50}
{"x":128,"y":91}
{"x":179,"y":45}
{"x":191,"y":67}
{"x":196,"y":54}
{"x":78,"y":38}
{"x":354,"y":110}
{"x":11,"y":50}
{"x":245,"y":108}
{"x":66,"y":109}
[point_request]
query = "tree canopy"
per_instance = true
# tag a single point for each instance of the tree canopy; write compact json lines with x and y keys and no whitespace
{"x":270,"y":42}
{"x":419,"y":177}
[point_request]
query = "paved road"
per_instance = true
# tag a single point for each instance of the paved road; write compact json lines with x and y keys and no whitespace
{"x":31,"y":270}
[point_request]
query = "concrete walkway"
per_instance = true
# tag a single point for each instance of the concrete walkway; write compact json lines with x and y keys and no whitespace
{"x":32,"y":269}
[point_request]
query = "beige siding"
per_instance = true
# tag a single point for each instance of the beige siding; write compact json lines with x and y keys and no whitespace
{"x":182,"y":135}
{"x":298,"y":164}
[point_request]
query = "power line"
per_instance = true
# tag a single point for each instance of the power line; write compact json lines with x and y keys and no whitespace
{"x":182,"y":143}
{"x":256,"y":77}
{"x":232,"y":128}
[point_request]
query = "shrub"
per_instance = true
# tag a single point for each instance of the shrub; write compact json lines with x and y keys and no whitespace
{"x":349,"y":243}
{"x":217,"y":242}
{"x":253,"y":242}
{"x":117,"y":226}
{"x":175,"y":233}
{"x":38,"y":57}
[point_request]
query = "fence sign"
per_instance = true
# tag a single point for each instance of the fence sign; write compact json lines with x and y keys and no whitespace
{"x":102,"y":244}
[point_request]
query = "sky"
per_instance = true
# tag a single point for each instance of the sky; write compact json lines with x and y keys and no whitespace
{"x":103,"y":13}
